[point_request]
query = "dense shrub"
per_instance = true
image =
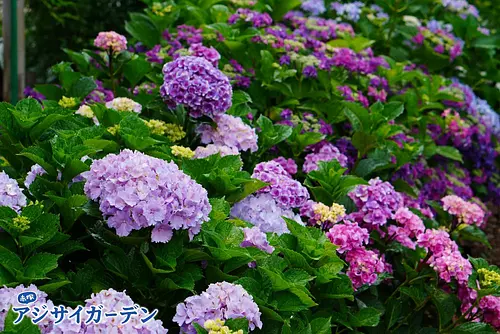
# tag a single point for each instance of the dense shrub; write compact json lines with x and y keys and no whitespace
{"x":266,"y":166}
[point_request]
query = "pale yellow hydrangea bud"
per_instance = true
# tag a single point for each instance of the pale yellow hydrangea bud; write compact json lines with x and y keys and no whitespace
{"x":21,"y":223}
{"x":174,"y":132}
{"x":183,"y":152}
{"x":489,"y":277}
{"x":114,"y":129}
{"x":85,"y":111}
{"x":67,"y":102}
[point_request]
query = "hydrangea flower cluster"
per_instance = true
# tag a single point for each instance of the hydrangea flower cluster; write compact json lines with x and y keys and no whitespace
{"x":30,"y":92}
{"x":182,"y":152}
{"x":36,"y":170}
{"x":195,"y":83}
{"x":8,"y":299}
{"x":87,"y":112}
{"x":124,"y":104}
{"x":217,"y":327}
{"x":445,"y":258}
{"x":348,"y":236}
{"x":262,"y":211}
{"x":350,"y":11}
{"x":440,"y":41}
{"x":327,"y":152}
{"x":320,"y":214}
{"x":210,"y":54}
{"x":288,"y":192}
{"x":258,"y":20}
{"x":466,"y":212}
{"x":308,"y":122}
{"x":202,"y":152}
{"x":490,"y":307}
{"x":410,"y":227}
{"x":136,"y":191}
{"x":110,"y":40}
{"x":220,"y":301}
{"x":229,"y":131}
{"x":10,"y":193}
{"x":288,"y":165}
{"x":364,"y":266}
{"x":99,"y":95}
{"x":377,"y":202}
{"x":315,"y":7}
{"x":254,"y":237}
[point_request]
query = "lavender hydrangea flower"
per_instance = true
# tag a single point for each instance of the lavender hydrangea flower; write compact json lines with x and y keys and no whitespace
{"x":8,"y":299}
{"x":254,"y":237}
{"x":288,"y":164}
{"x":231,"y":132}
{"x":10,"y":193}
{"x":203,"y":152}
{"x":315,"y":7}
{"x":210,"y":54}
{"x":136,"y":191}
{"x":287,"y":192}
{"x":195,"y":83}
{"x":36,"y":170}
{"x":327,"y":152}
{"x":262,"y":211}
{"x":222,"y":301}
{"x":352,"y":11}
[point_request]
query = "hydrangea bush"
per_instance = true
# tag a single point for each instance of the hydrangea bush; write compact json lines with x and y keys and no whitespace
{"x":260,"y":166}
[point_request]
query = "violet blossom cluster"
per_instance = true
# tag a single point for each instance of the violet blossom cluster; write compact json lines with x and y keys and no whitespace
{"x":208,"y":53}
{"x":466,"y":212}
{"x":409,"y":227}
{"x":195,"y":83}
{"x":351,"y":11}
{"x":222,"y":301}
{"x":376,"y":202}
{"x":440,"y":41}
{"x":136,"y":191}
{"x":257,"y":19}
{"x":229,"y":131}
{"x":205,"y":151}
{"x":307,"y":121}
{"x":10,"y":193}
{"x":110,"y":40}
{"x":288,"y":165}
{"x":287,"y":192}
{"x":315,"y":7}
{"x":254,"y":237}
{"x":261,"y":210}
{"x":30,"y":92}
{"x":327,"y":152}
{"x":445,"y":258}
{"x":99,"y":95}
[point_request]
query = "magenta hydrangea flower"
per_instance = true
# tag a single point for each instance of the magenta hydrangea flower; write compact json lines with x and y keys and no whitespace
{"x":327,"y":152}
{"x":254,"y":237}
{"x":222,"y":301}
{"x":8,"y":299}
{"x":288,"y":193}
{"x":348,"y":236}
{"x":262,"y":211}
{"x":110,"y":40}
{"x":288,"y":164}
{"x":451,"y":265}
{"x":229,"y":131}
{"x":436,"y":241}
{"x":10,"y":193}
{"x":136,"y":191}
{"x":258,"y":20}
{"x":364,"y":266}
{"x":411,"y":226}
{"x":210,"y":54}
{"x":195,"y":83}
{"x":376,"y":202}
{"x":466,"y":212}
{"x":202,"y":152}
{"x":490,"y":306}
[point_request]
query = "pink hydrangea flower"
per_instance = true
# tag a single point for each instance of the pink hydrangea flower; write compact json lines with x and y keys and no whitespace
{"x":110,"y":40}
{"x":364,"y":267}
{"x":348,"y":236}
{"x":490,"y":306}
{"x":466,"y":212}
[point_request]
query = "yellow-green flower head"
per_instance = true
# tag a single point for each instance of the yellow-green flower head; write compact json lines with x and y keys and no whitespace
{"x":156,"y":127}
{"x":329,"y":214}
{"x":489,"y":277}
{"x":114,"y":129}
{"x":161,"y":8}
{"x":174,"y":132}
{"x":217,"y":327}
{"x":21,"y":223}
{"x":182,"y":152}
{"x":67,"y":102}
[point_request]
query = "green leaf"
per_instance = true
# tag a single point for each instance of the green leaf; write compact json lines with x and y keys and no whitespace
{"x":51,"y":92}
{"x":449,"y":152}
{"x":53,"y":286}
{"x":446,"y":305}
{"x":392,"y":110}
{"x":237,"y":324}
{"x":26,"y":326}
{"x":10,"y":261}
{"x":39,"y":265}
{"x":366,"y":317}
{"x":43,"y":229}
{"x":358,"y":116}
{"x":136,"y":69}
{"x":143,"y":29}
{"x":82,"y":87}
{"x":220,"y":209}
{"x":321,"y":325}
{"x":473,"y":327}
{"x":282,"y":7}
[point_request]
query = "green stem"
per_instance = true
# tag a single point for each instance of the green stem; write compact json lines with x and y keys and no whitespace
{"x":111,"y":72}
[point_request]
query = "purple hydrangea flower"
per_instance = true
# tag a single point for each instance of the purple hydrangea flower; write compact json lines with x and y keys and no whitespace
{"x":258,"y":20}
{"x":262,"y":211}
{"x":30,"y":92}
{"x":315,"y":7}
{"x":288,"y":164}
{"x":222,"y":301}
{"x":310,"y":72}
{"x":210,"y":54}
{"x":326,"y":153}
{"x":99,"y":95}
{"x":348,"y":236}
{"x":203,"y":152}
{"x":254,"y":237}
{"x":287,"y":192}
{"x":36,"y":170}
{"x":231,"y":132}
{"x":352,"y":11}
{"x":195,"y":83}
{"x":10,"y":193}
{"x":136,"y":191}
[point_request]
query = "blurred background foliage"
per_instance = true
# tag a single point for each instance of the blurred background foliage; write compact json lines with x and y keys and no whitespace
{"x":52,"y":25}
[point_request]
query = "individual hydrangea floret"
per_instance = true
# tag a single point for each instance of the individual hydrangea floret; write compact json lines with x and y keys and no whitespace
{"x":262,"y":211}
{"x":327,"y":152}
{"x":229,"y":131}
{"x":110,"y":40}
{"x":8,"y":299}
{"x":364,"y":267}
{"x":348,"y":236}
{"x":136,"y":191}
{"x":254,"y":237}
{"x":288,"y":193}
{"x":124,"y":104}
{"x":377,"y":202}
{"x":10,"y":193}
{"x":196,"y":84}
{"x":222,"y":301}
{"x":466,"y":212}
{"x":202,"y":152}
